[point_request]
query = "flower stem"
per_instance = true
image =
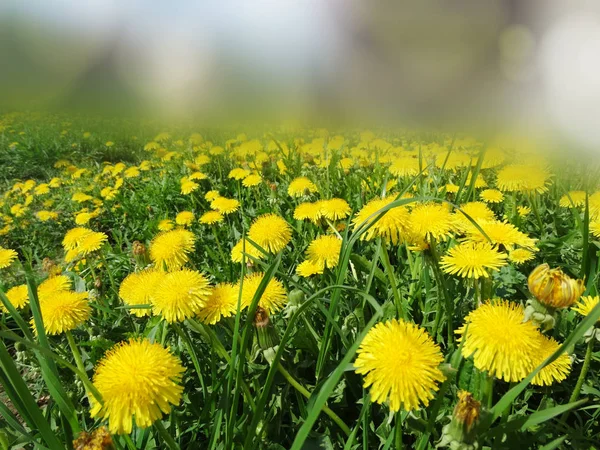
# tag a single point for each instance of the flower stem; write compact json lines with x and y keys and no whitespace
{"x":166,"y":437}
{"x":582,"y":375}
{"x":77,"y":357}
{"x":190,"y":349}
{"x":398,"y":432}
{"x":214,"y":230}
{"x":389,"y":271}
{"x":302,"y":390}
{"x":441,"y":281}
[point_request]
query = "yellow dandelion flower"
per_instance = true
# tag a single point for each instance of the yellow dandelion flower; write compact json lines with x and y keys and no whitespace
{"x":499,"y":341}
{"x":52,"y":285}
{"x":301,"y":186}
{"x":184,"y":218}
{"x":211,"y":195}
{"x":523,"y":178}
{"x":491,"y":196}
{"x":63,"y":311}
{"x":171,"y":248}
{"x":179,"y":295}
{"x":138,"y":382}
{"x":520,"y":255}
{"x":572,"y":199}
{"x":595,"y":228}
{"x":42,"y":189}
{"x":451,"y":188}
{"x":272,"y":299}
{"x":211,"y":217}
{"x":523,"y":210}
{"x":557,"y":370}
{"x":225,"y":205}
{"x":586,"y":304}
{"x":18,"y":296}
{"x":138,"y":288}
{"x":400,"y":362}
{"x":80,"y":197}
{"x":472,"y":260}
{"x":432,"y":220}
{"x":238,"y":250}
{"x":501,"y":233}
{"x":478,"y":211}
{"x":83,"y":218}
{"x":238,"y":173}
{"x":324,"y":251}
{"x":310,"y":211}
{"x":335,"y":208}
{"x":197,"y":176}
{"x":7,"y":256}
{"x":252,"y":180}
{"x":393,"y":226}
{"x":91,"y":242}
{"x":222,"y":302}
{"x":271,"y":232}
{"x":45,"y":216}
{"x":188,"y":186}
{"x":405,"y":167}
{"x":165,"y":225}
{"x":309,"y":268}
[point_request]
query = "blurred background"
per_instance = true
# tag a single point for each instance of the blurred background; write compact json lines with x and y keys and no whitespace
{"x":530,"y":65}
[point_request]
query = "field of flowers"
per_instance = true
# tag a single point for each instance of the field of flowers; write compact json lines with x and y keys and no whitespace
{"x":297,"y":288}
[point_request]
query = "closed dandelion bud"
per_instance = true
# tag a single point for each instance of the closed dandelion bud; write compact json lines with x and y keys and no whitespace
{"x":266,"y":333}
{"x":98,"y":283}
{"x":99,"y":439}
{"x":540,"y":282}
{"x":460,"y":433}
{"x":139,"y":249}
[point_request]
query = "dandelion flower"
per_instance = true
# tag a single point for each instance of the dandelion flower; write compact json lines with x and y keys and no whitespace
{"x":523,"y":178}
{"x":472,"y":260}
{"x":63,"y":311}
{"x":523,"y":210}
{"x":499,"y":341}
{"x":501,"y":233}
{"x":7,"y":256}
{"x":165,"y":225}
{"x":309,"y":268}
{"x":595,"y":228}
{"x":222,"y":302}
{"x":18,"y":296}
{"x":179,"y":295}
{"x":335,"y":209}
{"x":138,"y":288}
{"x":520,"y":255}
{"x":273,"y":298}
{"x":400,"y":362}
{"x":138,"y":381}
{"x":171,"y":248}
{"x":271,"y":232}
{"x":405,"y":167}
{"x":432,"y":220}
{"x":212,"y":195}
{"x":310,"y":211}
{"x":586,"y":304}
{"x":52,"y":285}
{"x":572,"y":199}
{"x":45,"y":216}
{"x":324,"y":251}
{"x":252,"y":180}
{"x":91,"y":242}
{"x":225,"y":205}
{"x":188,"y":186}
{"x":492,"y":196}
{"x":238,"y":250}
{"x":211,"y":217}
{"x":238,"y":173}
{"x":301,"y":186}
{"x":557,"y":370}
{"x":392,"y":226}
{"x":478,"y":211}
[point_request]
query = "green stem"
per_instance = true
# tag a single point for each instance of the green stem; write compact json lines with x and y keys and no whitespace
{"x":389,"y":270}
{"x":78,"y":361}
{"x":584,"y":370}
{"x":533,"y":204}
{"x":398,"y":432}
{"x":488,"y":390}
{"x":435,"y":263}
{"x":164,"y":434}
{"x":214,"y":230}
{"x":302,"y":390}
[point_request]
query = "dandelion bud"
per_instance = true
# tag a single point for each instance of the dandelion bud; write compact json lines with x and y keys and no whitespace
{"x":460,"y":432}
{"x":540,"y":281}
{"x":98,"y":283}
{"x":99,"y":439}
{"x":267,"y":335}
{"x":139,"y":249}
{"x":553,"y":288}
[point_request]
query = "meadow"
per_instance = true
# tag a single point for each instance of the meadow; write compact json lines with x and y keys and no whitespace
{"x":173,"y":287}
